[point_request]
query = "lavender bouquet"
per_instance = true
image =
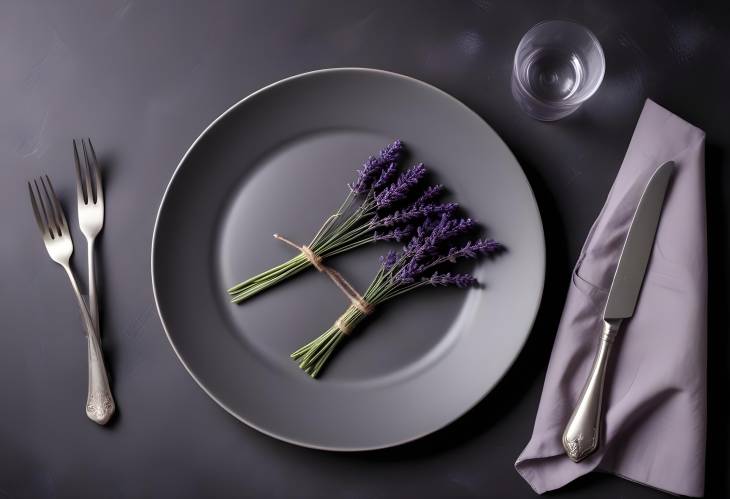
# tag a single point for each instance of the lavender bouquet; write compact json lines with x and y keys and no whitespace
{"x":376,"y":208}
{"x":434,"y":244}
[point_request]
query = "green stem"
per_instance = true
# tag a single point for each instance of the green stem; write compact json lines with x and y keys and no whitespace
{"x":326,"y":225}
{"x":313,"y":356}
{"x":332,"y":238}
{"x":263,"y":275}
{"x":261,"y":285}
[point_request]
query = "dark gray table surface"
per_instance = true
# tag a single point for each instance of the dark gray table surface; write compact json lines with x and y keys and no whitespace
{"x":144,"y":78}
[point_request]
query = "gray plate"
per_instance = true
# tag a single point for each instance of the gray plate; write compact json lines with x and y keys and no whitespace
{"x":278,"y":161}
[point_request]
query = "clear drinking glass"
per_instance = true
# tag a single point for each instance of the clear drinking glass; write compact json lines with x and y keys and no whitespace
{"x":558,"y":66}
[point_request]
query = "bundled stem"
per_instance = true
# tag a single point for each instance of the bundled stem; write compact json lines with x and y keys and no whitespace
{"x":313,"y":356}
{"x":401,"y":273}
{"x":331,"y":239}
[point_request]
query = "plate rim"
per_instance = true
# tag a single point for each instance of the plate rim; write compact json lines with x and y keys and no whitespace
{"x":233,"y":107}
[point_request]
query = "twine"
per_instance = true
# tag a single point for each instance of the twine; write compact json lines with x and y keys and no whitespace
{"x":350,"y":292}
{"x":342,"y":326}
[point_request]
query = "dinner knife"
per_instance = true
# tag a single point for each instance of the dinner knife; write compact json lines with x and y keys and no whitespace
{"x":581,"y":435}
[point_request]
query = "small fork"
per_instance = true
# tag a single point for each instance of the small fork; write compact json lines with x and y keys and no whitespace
{"x":57,"y":238}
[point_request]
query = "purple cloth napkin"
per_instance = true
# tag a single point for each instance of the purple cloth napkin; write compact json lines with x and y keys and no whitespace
{"x":655,"y":394}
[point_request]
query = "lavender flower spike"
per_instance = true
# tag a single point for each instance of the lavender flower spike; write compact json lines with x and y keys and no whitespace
{"x":449,"y":228}
{"x":430,"y":194}
{"x":399,"y":189}
{"x":397,"y":234}
{"x":386,"y":176}
{"x":414,"y":212}
{"x":389,"y":260}
{"x":372,"y":169}
{"x":458,"y":280}
{"x":475,"y":249}
{"x":431,"y":236}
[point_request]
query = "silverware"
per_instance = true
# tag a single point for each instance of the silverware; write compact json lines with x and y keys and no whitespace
{"x":57,"y":238}
{"x":581,"y":435}
{"x":90,"y":205}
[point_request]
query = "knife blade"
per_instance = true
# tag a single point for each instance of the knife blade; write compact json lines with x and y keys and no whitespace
{"x":582,"y":433}
{"x":637,"y":248}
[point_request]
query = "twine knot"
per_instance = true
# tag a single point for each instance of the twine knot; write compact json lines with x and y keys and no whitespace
{"x":350,"y":292}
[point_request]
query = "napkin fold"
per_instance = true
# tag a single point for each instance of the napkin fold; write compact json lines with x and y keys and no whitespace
{"x":655,"y":393}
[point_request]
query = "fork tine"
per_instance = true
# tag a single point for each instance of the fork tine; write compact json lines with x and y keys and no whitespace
{"x":46,"y":218}
{"x":80,"y":193}
{"x":87,"y":174}
{"x":51,"y":207}
{"x":41,"y":225}
{"x":60,"y":217}
{"x":97,"y":172}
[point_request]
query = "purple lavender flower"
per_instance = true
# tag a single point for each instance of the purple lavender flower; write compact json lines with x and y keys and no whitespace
{"x":409,"y":272}
{"x":422,"y":233}
{"x":429,"y":225}
{"x":397,"y":234}
{"x":372,"y":169}
{"x":430,"y":194}
{"x":402,"y":186}
{"x":429,"y":248}
{"x":431,"y":236}
{"x":412,"y":213}
{"x":475,"y":249}
{"x":458,"y":280}
{"x":389,"y":259}
{"x":386,"y":176}
{"x":452,"y":228}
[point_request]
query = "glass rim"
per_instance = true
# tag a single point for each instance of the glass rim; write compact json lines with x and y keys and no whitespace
{"x":588,"y":92}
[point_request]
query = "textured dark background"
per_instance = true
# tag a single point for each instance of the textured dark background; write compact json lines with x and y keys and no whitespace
{"x":144,"y":79}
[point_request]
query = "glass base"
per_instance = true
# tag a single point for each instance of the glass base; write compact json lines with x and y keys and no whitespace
{"x":540,"y":111}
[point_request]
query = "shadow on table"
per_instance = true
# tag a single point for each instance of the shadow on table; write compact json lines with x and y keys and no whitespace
{"x":108,"y":166}
{"x":718,"y":372}
{"x":530,"y":363}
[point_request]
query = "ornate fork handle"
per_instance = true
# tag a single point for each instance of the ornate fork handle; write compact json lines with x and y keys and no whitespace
{"x":99,"y":401}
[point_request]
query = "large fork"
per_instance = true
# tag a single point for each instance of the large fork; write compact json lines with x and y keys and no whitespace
{"x":57,"y":238}
{"x":90,"y":205}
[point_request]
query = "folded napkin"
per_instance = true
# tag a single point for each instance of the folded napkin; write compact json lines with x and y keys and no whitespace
{"x":655,"y":393}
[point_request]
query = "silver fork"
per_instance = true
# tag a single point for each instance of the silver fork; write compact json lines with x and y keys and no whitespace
{"x":57,"y":238}
{"x":90,"y":204}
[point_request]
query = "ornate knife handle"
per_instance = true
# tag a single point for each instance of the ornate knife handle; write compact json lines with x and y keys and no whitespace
{"x":582,"y":433}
